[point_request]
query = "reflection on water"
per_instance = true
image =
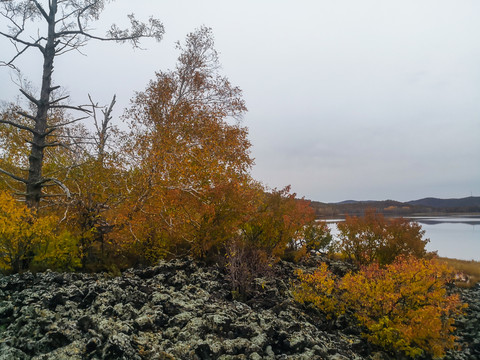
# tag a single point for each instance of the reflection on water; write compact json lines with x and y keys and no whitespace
{"x":453,"y":237}
{"x":451,"y":220}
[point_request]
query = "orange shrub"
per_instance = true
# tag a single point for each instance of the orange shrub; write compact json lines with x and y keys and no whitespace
{"x":279,"y":223}
{"x":373,"y":238}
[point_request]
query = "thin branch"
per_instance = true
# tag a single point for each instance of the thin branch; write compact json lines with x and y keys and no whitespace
{"x":30,"y":97}
{"x":107,"y":112}
{"x":75,"y":137}
{"x":56,"y":181}
{"x":94,"y":37}
{"x":53,"y":195}
{"x":59,"y":99}
{"x":28,"y":116}
{"x":78,"y":108}
{"x":39,"y":7}
{"x":10,"y":63}
{"x":26,"y":43}
{"x":19,"y":126}
{"x":62,"y":19}
{"x":56,"y":144}
{"x":54,"y":127}
{"x":47,"y":145}
{"x":68,"y":44}
{"x":14,"y":177}
{"x":64,"y":188}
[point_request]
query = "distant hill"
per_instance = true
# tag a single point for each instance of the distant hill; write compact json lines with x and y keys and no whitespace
{"x":354,"y":202}
{"x":447,"y":203}
{"x":395,"y":208}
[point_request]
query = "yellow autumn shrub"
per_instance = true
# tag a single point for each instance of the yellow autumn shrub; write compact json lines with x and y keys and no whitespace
{"x":320,"y":289}
{"x":403,"y":306}
{"x":57,"y":252}
{"x":26,"y":239}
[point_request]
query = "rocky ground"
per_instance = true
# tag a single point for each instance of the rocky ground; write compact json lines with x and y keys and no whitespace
{"x":180,"y":310}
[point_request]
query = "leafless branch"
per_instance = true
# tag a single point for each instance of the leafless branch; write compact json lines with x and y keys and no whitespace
{"x":56,"y":126}
{"x":29,"y":97}
{"x":10,"y":62}
{"x":18,"y":126}
{"x":56,"y":181}
{"x":14,"y":177}
{"x":42,"y":11}
{"x":23,"y":42}
{"x":59,"y":99}
{"x":28,"y":116}
{"x":77,"y":108}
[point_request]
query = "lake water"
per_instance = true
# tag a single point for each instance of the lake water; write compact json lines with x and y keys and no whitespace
{"x":452,"y":237}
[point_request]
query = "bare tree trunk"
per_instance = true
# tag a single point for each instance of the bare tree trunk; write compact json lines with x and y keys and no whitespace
{"x":35,"y":178}
{"x":72,"y":32}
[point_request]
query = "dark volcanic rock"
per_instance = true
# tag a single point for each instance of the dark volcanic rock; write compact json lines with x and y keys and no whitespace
{"x":468,"y":327}
{"x":181,"y":310}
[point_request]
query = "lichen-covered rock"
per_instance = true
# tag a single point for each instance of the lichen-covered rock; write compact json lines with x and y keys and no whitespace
{"x":181,"y":310}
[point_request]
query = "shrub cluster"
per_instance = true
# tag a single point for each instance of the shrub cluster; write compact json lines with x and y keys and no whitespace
{"x":176,"y":183}
{"x":403,"y":307}
{"x":398,"y":296}
{"x":374,"y":238}
{"x":278,"y":226}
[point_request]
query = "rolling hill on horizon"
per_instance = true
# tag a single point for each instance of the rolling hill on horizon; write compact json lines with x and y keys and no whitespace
{"x":447,"y":203}
{"x":429,"y":205}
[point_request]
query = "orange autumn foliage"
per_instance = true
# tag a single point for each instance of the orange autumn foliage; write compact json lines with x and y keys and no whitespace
{"x":188,"y":184}
{"x":374,"y":238}
{"x":279,"y":223}
{"x":177,"y":183}
{"x":404,"y":306}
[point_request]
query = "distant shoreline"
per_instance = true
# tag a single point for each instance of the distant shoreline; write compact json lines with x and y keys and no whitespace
{"x":428,"y":207}
{"x":415,"y":217}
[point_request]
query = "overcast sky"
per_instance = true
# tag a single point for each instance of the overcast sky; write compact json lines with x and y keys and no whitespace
{"x":347,"y":99}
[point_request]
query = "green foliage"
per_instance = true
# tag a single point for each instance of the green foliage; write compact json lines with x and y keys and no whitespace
{"x":28,"y":241}
{"x":404,"y":306}
{"x":59,"y":253}
{"x":317,"y":236}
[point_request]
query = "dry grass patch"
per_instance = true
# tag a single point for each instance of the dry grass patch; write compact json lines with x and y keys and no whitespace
{"x":470,"y":268}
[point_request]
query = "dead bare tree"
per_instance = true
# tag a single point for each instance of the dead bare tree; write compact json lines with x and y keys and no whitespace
{"x":103,"y":128}
{"x":59,"y":26}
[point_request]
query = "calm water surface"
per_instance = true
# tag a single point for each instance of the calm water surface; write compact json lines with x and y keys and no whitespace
{"x":453,"y":237}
